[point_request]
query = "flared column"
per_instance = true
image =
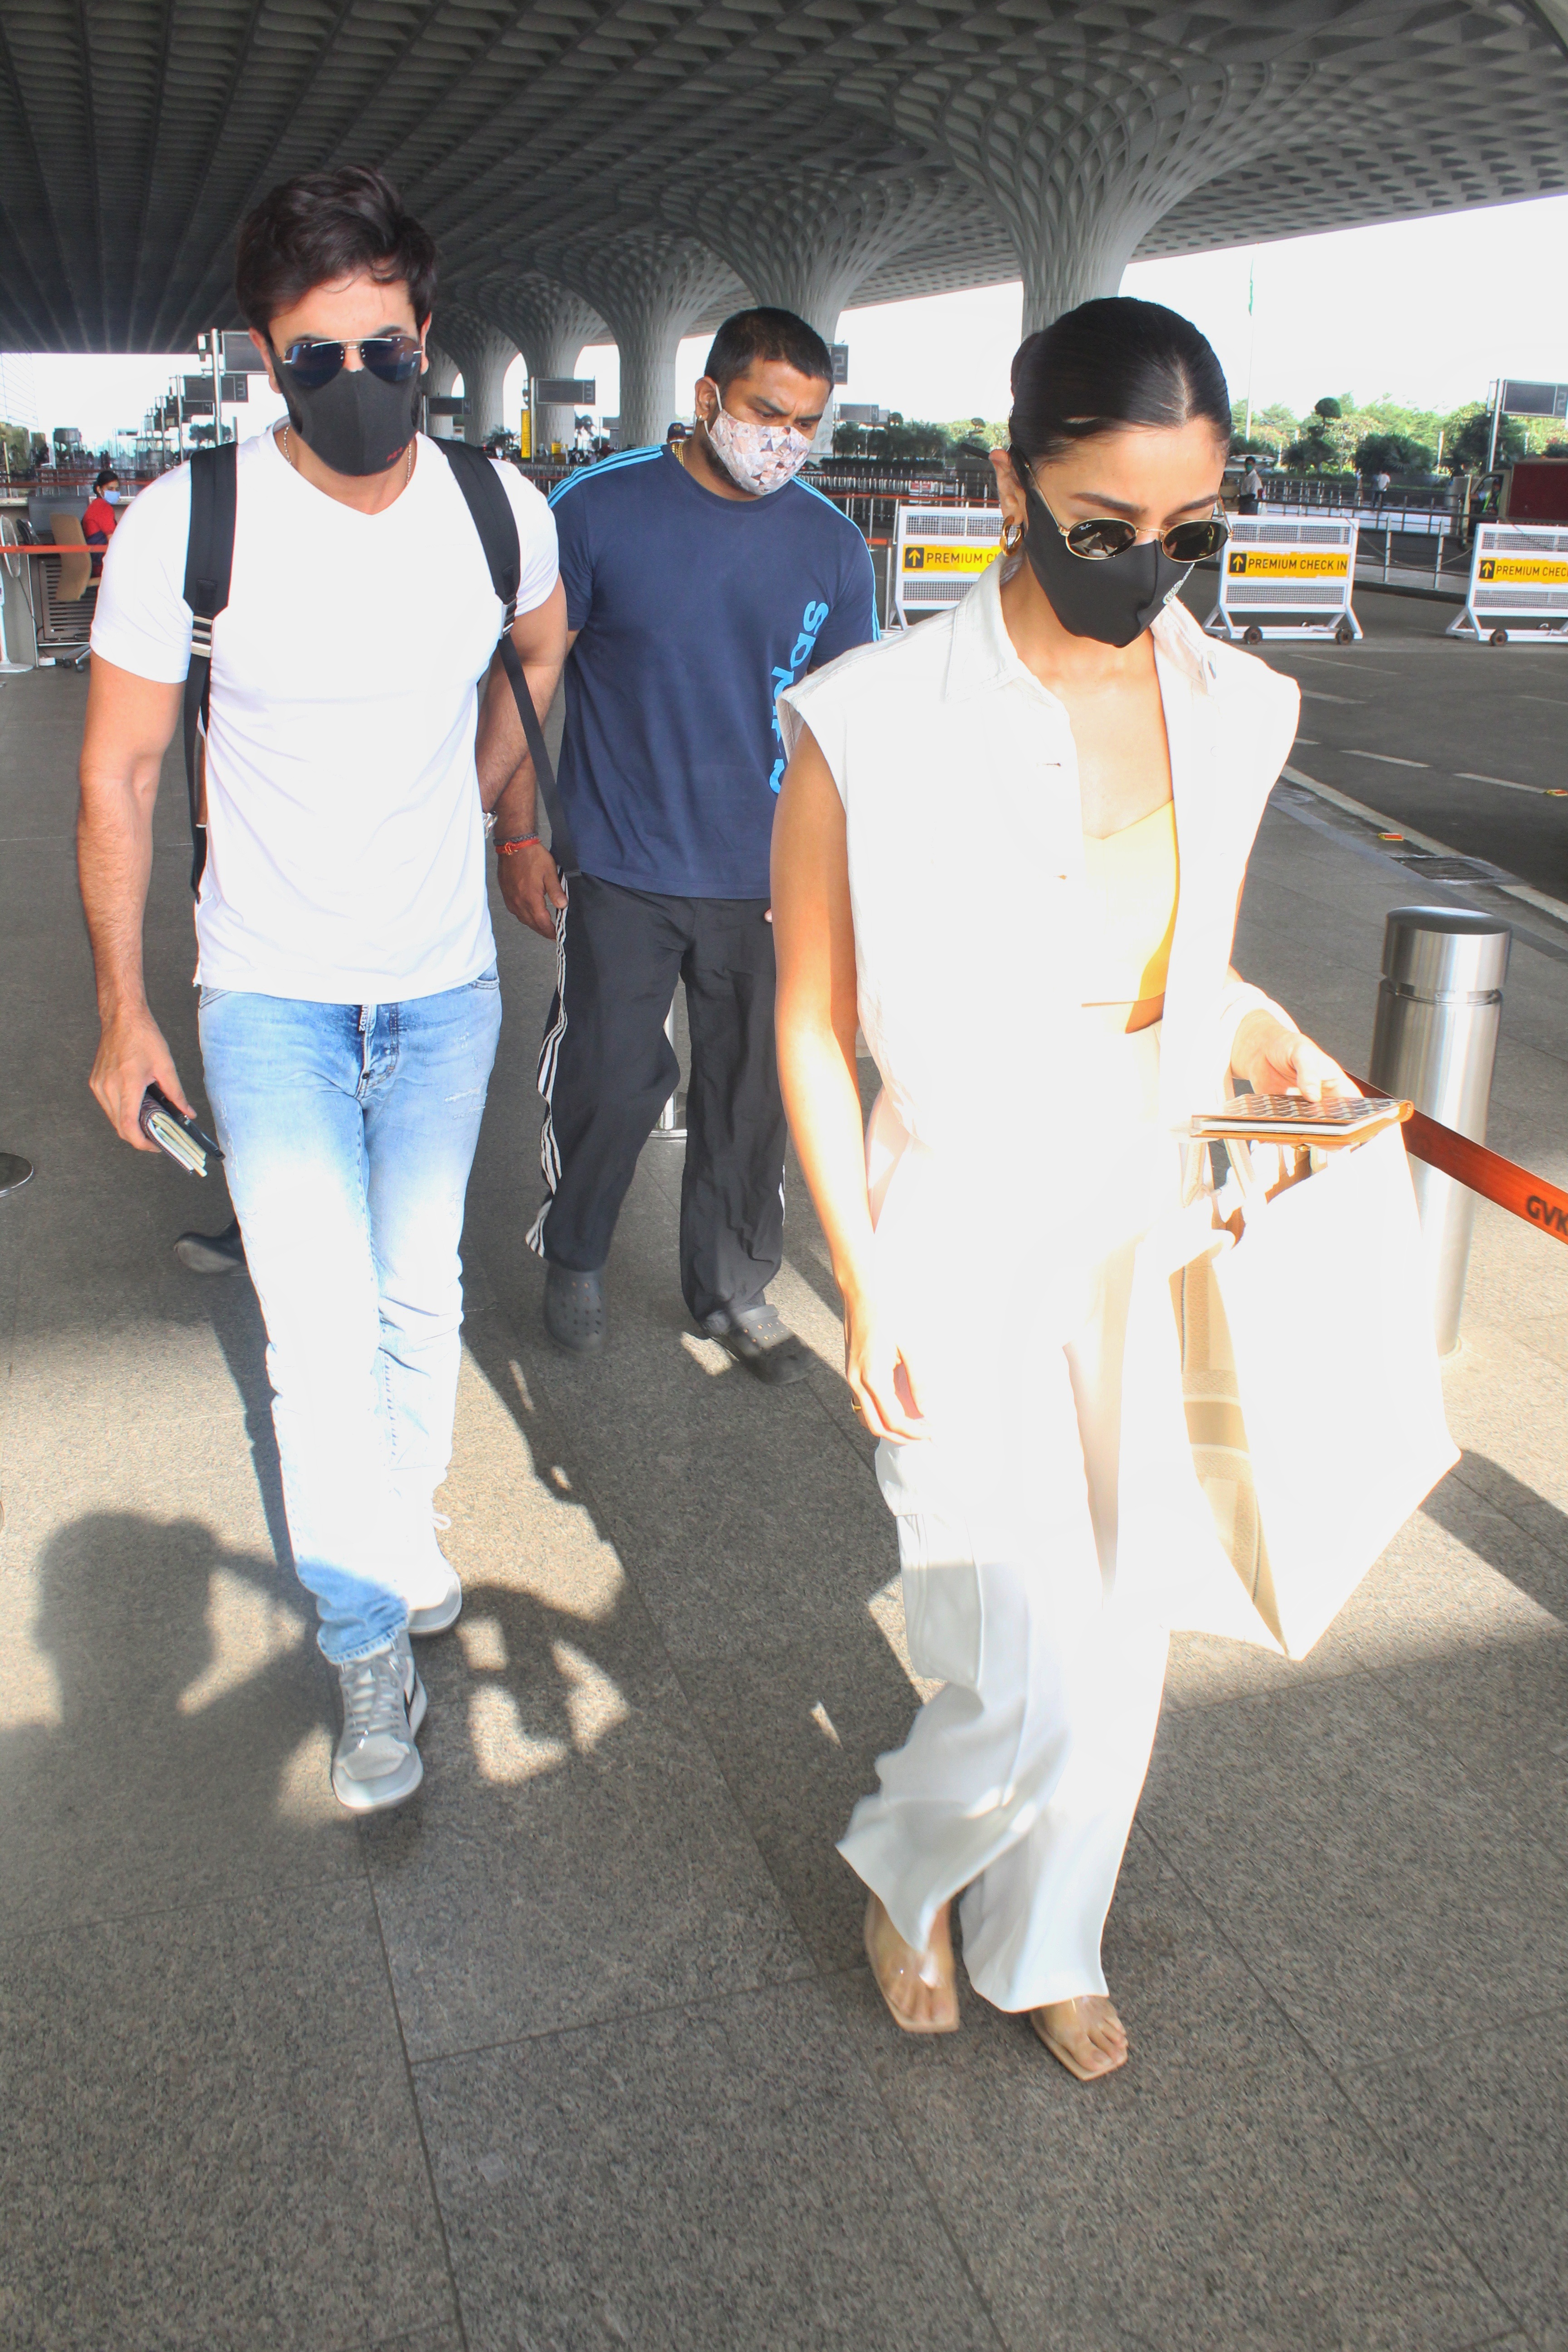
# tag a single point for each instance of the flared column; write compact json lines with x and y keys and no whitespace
{"x":651,"y":288}
{"x":1082,"y":148}
{"x":549,"y":324}
{"x":484,"y":353}
{"x":808,"y":248}
{"x":442,"y":372}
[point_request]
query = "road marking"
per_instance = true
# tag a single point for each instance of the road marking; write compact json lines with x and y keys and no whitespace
{"x":1389,"y":758}
{"x":1386,"y":826}
{"x":1555,"y":700}
{"x":1313,"y":694}
{"x":1464,"y":776}
{"x":1311,"y":740}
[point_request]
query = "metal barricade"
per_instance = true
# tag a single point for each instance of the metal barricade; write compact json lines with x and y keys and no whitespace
{"x":1518,"y":574}
{"x":1287,"y":576}
{"x":63,"y":621}
{"x":18,"y":650}
{"x":1439,"y":1007}
{"x":940,"y":553}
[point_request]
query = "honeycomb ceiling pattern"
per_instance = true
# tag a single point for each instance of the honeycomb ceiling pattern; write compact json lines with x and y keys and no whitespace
{"x":639,"y":161}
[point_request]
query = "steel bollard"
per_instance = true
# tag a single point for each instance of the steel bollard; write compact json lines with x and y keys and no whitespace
{"x":1439,"y":1005}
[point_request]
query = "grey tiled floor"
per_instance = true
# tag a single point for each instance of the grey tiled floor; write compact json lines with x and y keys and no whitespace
{"x":578,"y":2050}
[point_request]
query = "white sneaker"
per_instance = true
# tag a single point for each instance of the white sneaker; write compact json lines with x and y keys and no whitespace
{"x":376,"y":1763}
{"x":433,"y":1590}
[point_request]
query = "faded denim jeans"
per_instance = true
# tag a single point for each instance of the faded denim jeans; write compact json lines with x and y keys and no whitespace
{"x":348,"y":1132}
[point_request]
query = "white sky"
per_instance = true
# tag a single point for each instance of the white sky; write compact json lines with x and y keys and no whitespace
{"x":1427,"y":310}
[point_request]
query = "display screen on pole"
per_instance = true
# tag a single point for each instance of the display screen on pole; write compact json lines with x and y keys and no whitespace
{"x":567,"y":390}
{"x":1521,"y":399}
{"x":241,"y":357}
{"x":840,"y":361}
{"x":236,"y":387}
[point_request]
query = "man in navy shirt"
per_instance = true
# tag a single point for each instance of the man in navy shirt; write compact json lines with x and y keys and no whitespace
{"x":700,"y":580}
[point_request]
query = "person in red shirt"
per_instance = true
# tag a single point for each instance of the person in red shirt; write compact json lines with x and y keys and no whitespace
{"x":97,"y":524}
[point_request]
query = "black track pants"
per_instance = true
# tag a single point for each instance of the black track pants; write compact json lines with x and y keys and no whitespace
{"x":606,"y":1070}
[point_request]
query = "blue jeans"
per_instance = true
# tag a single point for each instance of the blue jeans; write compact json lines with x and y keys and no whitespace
{"x":348,"y":1133}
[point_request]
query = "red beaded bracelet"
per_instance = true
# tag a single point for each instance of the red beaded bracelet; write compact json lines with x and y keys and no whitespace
{"x":524,"y":841}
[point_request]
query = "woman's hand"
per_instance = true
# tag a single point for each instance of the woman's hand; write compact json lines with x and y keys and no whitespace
{"x":882,"y":1378}
{"x":1272,"y":1059}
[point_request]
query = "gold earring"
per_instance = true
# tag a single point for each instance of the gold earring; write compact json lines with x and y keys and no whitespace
{"x":1012,"y":537}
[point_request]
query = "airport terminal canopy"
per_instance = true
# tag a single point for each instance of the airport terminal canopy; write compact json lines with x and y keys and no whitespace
{"x":639,"y":166}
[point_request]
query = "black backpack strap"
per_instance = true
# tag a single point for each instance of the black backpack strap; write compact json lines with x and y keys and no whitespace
{"x":497,"y":525}
{"x":209,"y":561}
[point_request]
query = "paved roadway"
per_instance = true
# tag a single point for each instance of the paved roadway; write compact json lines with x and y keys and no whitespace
{"x":580,"y":2050}
{"x":1467,"y":743}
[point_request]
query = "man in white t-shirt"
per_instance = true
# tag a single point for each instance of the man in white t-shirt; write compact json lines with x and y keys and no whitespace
{"x":349,"y":1005}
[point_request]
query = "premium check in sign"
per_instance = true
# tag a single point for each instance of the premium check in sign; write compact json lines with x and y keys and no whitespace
{"x":926,"y":555}
{"x":939,"y":554}
{"x":1518,"y":586}
{"x":1288,"y":562}
{"x":1286,"y":576}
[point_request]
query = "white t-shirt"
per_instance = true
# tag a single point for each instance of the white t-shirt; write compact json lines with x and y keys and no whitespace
{"x":345,"y":844}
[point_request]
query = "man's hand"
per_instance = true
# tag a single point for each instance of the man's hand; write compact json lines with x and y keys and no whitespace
{"x":133,"y":1054}
{"x":532,"y":887}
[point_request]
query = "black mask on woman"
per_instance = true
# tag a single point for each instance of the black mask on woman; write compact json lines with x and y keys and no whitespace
{"x":356,"y":424}
{"x":1114,"y":598}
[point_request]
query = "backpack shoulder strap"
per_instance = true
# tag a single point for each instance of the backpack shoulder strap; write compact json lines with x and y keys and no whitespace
{"x":497,"y":526}
{"x":209,"y":561}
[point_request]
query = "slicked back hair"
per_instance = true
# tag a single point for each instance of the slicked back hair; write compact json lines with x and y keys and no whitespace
{"x":1110,"y":364}
{"x":324,"y":226}
{"x":761,"y":334}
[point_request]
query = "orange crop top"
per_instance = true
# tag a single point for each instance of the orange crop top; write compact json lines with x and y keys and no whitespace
{"x":1133,"y":876}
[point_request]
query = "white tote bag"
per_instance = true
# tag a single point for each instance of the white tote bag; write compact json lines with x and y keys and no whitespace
{"x":1313,"y":1398}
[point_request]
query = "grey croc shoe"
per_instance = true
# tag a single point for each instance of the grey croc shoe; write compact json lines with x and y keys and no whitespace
{"x":574,"y":1313}
{"x":759,"y":1337}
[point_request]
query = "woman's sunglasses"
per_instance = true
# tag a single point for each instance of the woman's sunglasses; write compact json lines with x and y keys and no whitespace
{"x":395,"y":359}
{"x":1109,"y":535}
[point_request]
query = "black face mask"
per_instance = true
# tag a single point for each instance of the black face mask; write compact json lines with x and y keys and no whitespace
{"x":1114,"y":599}
{"x":356,"y":424}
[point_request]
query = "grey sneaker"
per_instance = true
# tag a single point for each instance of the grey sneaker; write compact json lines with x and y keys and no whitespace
{"x":434,"y":1596}
{"x":376,"y":1763}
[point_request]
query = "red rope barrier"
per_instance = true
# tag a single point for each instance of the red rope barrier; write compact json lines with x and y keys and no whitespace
{"x":1516,"y":1189}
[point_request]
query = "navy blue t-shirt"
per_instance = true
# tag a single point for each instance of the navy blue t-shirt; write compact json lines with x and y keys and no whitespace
{"x":693,"y":611}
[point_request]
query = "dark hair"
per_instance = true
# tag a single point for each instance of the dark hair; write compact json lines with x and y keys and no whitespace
{"x":109,"y":474}
{"x":1111,"y":364}
{"x":326,"y":225}
{"x":766,"y":335}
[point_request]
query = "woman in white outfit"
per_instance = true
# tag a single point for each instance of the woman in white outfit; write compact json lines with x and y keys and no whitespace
{"x":1010,"y":847}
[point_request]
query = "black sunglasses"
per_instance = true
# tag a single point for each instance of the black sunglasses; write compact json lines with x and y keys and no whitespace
{"x":395,"y":359}
{"x":1109,"y":535}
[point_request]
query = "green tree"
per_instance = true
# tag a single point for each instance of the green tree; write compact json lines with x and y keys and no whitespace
{"x":1466,"y":436}
{"x":1393,"y":453}
{"x":17,"y":444}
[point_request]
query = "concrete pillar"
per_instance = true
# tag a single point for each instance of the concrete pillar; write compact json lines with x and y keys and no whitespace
{"x":808,"y":248}
{"x":441,"y":373}
{"x":549,"y":325}
{"x":1081,"y":157}
{"x":484,"y":354}
{"x":652,"y":287}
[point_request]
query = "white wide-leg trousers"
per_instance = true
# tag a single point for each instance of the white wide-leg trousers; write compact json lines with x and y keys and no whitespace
{"x":1018,"y":1783}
